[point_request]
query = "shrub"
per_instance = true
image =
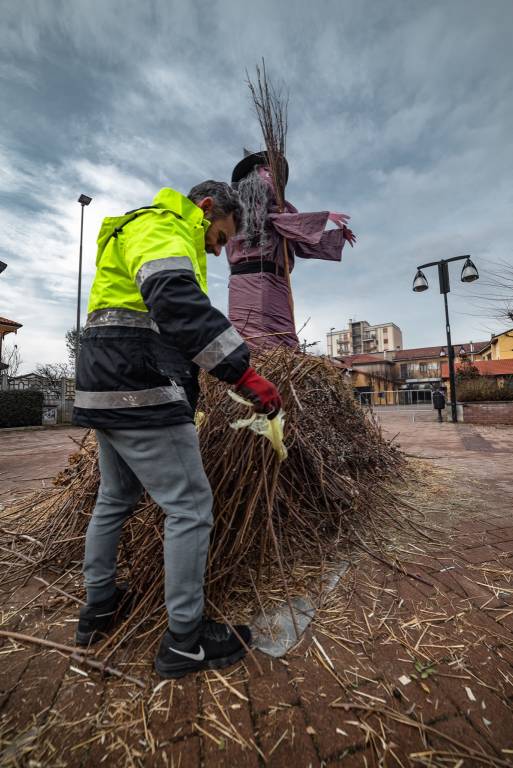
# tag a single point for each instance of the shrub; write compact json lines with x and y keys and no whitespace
{"x":477,"y":390}
{"x":21,"y":408}
{"x":467,"y":371}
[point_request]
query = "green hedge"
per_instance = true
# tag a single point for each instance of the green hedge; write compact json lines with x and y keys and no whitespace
{"x":481,"y":389}
{"x":21,"y":408}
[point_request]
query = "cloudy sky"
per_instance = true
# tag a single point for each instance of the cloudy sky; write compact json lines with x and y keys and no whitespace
{"x":401,"y":114}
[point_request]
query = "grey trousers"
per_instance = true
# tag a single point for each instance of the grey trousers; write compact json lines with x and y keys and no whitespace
{"x":166,"y":461}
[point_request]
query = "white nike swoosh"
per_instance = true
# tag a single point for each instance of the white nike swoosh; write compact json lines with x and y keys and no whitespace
{"x":196,"y":656}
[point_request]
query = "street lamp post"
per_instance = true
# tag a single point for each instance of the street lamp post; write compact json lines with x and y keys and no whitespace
{"x":469,"y":273}
{"x":83,"y":200}
{"x":331,"y":340}
{"x":305,"y":345}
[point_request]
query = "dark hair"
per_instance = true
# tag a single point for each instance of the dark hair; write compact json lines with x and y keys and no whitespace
{"x":226,"y":200}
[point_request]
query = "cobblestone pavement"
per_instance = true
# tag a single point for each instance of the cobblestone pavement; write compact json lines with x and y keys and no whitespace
{"x":476,"y":450}
{"x":405,"y":665}
{"x":29,"y":458}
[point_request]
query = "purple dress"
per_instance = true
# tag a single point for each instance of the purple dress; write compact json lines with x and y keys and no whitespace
{"x":258,"y":290}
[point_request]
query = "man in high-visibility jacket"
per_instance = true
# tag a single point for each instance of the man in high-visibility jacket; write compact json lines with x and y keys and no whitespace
{"x":150,"y":327}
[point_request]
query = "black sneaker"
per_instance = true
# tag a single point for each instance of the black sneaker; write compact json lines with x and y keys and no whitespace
{"x":211,"y":646}
{"x":98,"y":618}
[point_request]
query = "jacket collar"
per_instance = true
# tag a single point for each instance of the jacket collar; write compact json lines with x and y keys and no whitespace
{"x":171,"y":200}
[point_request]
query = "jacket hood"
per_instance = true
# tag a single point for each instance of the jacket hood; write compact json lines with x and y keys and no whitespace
{"x":166,"y":200}
{"x":171,"y":200}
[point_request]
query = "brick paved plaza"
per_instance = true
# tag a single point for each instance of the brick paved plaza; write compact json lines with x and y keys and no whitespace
{"x":411,"y":665}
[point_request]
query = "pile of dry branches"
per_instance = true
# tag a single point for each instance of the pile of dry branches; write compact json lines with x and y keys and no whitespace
{"x":273,"y":522}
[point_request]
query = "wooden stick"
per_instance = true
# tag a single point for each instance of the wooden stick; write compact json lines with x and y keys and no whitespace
{"x":276,"y":545}
{"x":392,"y":566}
{"x":237,"y":635}
{"x":59,"y":590}
{"x":289,"y":284}
{"x":265,"y":335}
{"x":20,"y":536}
{"x":420,"y":726}
{"x":75,"y":655}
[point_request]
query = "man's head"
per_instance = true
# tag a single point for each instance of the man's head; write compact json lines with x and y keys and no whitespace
{"x":221,"y":205}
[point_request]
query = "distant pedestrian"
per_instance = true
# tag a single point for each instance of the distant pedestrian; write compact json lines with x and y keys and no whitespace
{"x":439,"y":402}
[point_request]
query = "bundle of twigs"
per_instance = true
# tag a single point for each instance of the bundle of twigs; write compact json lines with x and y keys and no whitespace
{"x":272,"y":520}
{"x":271,"y":107}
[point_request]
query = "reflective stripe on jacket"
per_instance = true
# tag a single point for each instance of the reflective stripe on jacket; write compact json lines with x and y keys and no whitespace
{"x":150,"y":322}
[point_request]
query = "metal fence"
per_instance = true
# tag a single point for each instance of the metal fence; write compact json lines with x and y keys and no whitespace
{"x":58,"y":395}
{"x":416,"y":398}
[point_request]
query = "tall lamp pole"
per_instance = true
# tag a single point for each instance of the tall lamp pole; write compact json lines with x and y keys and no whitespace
{"x":331,"y":340}
{"x":3,"y":266}
{"x":469,"y":273}
{"x":83,"y":200}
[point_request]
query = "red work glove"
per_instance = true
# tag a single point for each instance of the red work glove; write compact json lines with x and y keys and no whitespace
{"x":264,"y":395}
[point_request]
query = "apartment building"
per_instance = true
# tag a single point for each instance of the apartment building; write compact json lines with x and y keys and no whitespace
{"x":362,"y":338}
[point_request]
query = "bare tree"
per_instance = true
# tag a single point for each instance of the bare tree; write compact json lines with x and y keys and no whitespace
{"x":71,"y":344}
{"x":495,"y":296}
{"x":51,"y":375}
{"x":12,"y":359}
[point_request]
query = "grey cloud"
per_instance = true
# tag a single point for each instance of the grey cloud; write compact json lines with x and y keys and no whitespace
{"x":399,"y":116}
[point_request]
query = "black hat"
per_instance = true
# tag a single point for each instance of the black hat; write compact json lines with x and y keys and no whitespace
{"x":253,"y":160}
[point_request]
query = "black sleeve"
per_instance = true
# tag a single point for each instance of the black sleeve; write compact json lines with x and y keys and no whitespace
{"x":201,"y":332}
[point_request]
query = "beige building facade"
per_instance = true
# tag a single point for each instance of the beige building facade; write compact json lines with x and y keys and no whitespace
{"x":360,"y":338}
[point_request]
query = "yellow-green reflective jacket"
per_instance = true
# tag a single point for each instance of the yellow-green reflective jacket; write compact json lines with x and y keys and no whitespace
{"x":172,"y":227}
{"x":150,"y":324}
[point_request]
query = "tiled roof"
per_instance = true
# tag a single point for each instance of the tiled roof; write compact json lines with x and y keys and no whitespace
{"x":418,"y":353}
{"x":425,"y":352}
{"x":496,"y":336}
{"x":5,"y":321}
{"x":485,"y":367}
{"x":362,"y":359}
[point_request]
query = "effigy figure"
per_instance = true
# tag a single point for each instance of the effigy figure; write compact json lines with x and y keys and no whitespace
{"x":262,"y":258}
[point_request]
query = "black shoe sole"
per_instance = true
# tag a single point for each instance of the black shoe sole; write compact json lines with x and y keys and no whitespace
{"x":175,"y":671}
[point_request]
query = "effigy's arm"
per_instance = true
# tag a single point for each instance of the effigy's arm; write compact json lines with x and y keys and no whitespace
{"x":308,"y":235}
{"x":300,"y":227}
{"x":329,"y":247}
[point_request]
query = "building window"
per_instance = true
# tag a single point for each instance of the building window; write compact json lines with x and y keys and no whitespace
{"x":404,"y":370}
